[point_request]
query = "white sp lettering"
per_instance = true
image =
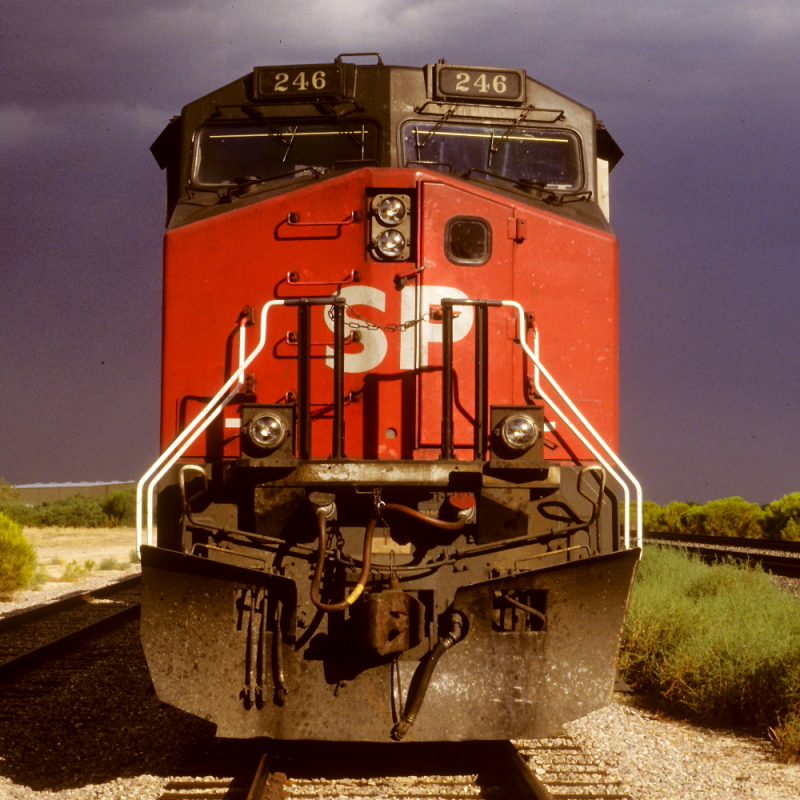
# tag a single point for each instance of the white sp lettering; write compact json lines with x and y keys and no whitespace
{"x":415,"y":340}
{"x":373,"y":342}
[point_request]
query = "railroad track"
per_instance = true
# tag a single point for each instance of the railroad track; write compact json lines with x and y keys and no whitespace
{"x":491,"y":770}
{"x":32,"y":637}
{"x":568,"y":773}
{"x":553,"y":769}
{"x":775,"y":556}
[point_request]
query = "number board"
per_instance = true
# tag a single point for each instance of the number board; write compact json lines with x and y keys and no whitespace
{"x":476,"y":83}
{"x":297,"y":83}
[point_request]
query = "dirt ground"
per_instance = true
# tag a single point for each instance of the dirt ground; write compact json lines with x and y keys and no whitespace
{"x":63,"y":556}
{"x":57,"y":547}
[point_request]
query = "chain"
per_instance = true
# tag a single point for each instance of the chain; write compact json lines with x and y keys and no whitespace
{"x":373,"y":326}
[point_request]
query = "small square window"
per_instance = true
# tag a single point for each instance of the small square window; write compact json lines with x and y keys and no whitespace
{"x":468,"y":241}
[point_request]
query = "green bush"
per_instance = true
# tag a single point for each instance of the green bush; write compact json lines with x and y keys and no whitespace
{"x":787,"y":737}
{"x":120,"y":505}
{"x":666,"y":519}
{"x":719,"y":644}
{"x":19,"y":512}
{"x":76,"y":511}
{"x":8,"y":493}
{"x":73,"y":572}
{"x":730,"y":516}
{"x":782,"y":518}
{"x":18,"y":560}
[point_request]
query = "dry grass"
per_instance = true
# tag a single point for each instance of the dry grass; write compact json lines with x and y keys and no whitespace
{"x":80,"y":537}
{"x":62,"y":548}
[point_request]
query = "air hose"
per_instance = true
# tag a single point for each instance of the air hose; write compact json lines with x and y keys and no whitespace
{"x":322,"y":529}
{"x":434,"y":523}
{"x":425,"y":673}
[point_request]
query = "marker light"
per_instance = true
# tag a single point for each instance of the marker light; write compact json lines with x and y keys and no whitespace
{"x":391,"y":211}
{"x":267,"y":431}
{"x":519,"y":431}
{"x":391,"y":243}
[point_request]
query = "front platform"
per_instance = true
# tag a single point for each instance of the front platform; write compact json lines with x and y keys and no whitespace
{"x":209,"y":641}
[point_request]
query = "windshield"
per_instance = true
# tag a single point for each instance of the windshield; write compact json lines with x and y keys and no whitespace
{"x":238,"y":152}
{"x":548,"y":156}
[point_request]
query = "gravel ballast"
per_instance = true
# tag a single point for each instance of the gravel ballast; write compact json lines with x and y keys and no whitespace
{"x":103,"y":735}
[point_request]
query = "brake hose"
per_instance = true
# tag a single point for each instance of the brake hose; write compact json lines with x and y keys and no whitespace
{"x":435,"y":523}
{"x":425,"y":672}
{"x":322,"y":528}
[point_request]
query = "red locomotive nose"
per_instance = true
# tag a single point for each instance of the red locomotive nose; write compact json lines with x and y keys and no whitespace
{"x":377,"y":509}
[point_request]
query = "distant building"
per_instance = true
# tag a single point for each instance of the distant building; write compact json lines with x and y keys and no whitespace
{"x":33,"y":493}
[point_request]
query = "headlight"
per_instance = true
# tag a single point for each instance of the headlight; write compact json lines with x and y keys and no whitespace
{"x":391,"y":216}
{"x":519,"y":431}
{"x":391,"y":211}
{"x":391,"y":243}
{"x":267,"y":431}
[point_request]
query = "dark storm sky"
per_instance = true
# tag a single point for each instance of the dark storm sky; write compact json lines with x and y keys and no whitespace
{"x":702,"y":97}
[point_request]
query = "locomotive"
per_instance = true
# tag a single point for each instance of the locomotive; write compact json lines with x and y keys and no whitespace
{"x":389,"y":505}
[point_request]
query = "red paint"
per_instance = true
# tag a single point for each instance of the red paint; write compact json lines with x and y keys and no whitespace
{"x":563,"y":271}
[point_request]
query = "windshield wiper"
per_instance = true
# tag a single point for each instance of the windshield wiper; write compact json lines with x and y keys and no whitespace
{"x":241,"y":184}
{"x":436,"y":126}
{"x":254,"y":180}
{"x":359,"y":137}
{"x":504,"y":138}
{"x":289,"y":144}
{"x":546,"y":195}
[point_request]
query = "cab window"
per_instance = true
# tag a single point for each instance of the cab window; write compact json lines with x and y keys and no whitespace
{"x":231,"y":153}
{"x":551,"y":157}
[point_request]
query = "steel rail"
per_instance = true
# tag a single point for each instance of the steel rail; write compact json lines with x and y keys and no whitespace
{"x":263,"y":786}
{"x":53,"y":648}
{"x":74,"y":600}
{"x":497,"y":765}
{"x":787,"y":566}
{"x":516,"y":770}
{"x":780,"y":545}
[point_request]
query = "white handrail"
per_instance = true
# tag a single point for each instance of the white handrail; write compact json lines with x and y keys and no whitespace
{"x":233,"y":385}
{"x":626,"y":491}
{"x":576,"y":411}
{"x":192,"y":431}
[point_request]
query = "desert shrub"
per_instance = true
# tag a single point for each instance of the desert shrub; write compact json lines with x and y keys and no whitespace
{"x":731,"y":516}
{"x":134,"y":557}
{"x":72,"y":572}
{"x":791,"y":533}
{"x":75,"y":511}
{"x":110,"y":563}
{"x":119,"y":505}
{"x":40,"y":577}
{"x":782,"y":518}
{"x":22,"y":514}
{"x":719,"y":644}
{"x":663,"y":519}
{"x":8,"y":493}
{"x":18,"y":560}
{"x":786,"y":736}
